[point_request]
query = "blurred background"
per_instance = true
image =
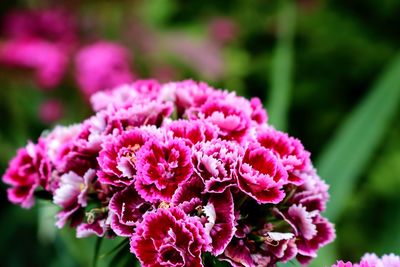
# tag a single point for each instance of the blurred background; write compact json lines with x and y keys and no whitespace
{"x":328,"y":73}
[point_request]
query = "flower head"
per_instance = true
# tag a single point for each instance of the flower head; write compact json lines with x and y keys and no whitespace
{"x":162,"y":167}
{"x":169,"y":237}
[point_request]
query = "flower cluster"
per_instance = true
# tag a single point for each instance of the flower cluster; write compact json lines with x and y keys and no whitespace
{"x":183,"y":170}
{"x":372,"y":260}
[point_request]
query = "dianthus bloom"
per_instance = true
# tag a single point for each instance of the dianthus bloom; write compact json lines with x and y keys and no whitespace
{"x":190,"y":174}
{"x":169,"y":237}
{"x":372,"y":260}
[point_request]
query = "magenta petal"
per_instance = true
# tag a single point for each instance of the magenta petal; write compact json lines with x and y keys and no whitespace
{"x":87,"y":229}
{"x":127,"y":208}
{"x":222,"y":226}
{"x":325,"y":234}
{"x":21,"y":195}
{"x":290,"y":151}
{"x":238,"y":254}
{"x":303,"y":221}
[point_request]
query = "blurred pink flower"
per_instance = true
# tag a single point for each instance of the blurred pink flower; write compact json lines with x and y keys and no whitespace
{"x":51,"y":111}
{"x":101,"y":66}
{"x":39,"y":40}
{"x":57,"y":26}
{"x":46,"y":59}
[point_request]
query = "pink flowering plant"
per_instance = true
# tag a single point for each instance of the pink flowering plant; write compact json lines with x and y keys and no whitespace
{"x":372,"y":260}
{"x":189,"y":175}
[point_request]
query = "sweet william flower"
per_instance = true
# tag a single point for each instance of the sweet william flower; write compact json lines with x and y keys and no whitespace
{"x":192,"y":132}
{"x":232,"y":121}
{"x":216,"y":163}
{"x":117,"y":159}
{"x":72,"y":195}
{"x":262,"y":175}
{"x":290,"y":151}
{"x":162,"y":167}
{"x":168,"y":237}
{"x":187,"y":172}
{"x":372,"y":260}
{"x":26,"y":171}
{"x":126,"y":95}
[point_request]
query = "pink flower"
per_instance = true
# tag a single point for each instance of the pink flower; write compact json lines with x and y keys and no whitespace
{"x":72,"y":194}
{"x":117,"y":159}
{"x":40,"y":41}
{"x":372,"y":260}
{"x":168,"y":237}
{"x":313,"y":193}
{"x":216,"y":163}
{"x":290,"y":151}
{"x":343,"y":264}
{"x":261,"y":175}
{"x":258,"y":114}
{"x":27,"y":170}
{"x":162,"y":168}
{"x":232,"y":121}
{"x":119,"y":119}
{"x":101,"y":66}
{"x":188,"y":94}
{"x":307,"y":248}
{"x":54,"y":25}
{"x":127,"y":209}
{"x":126,"y":95}
{"x":389,"y":260}
{"x":46,"y":59}
{"x":192,"y":132}
{"x":185,"y":171}
{"x":77,"y":153}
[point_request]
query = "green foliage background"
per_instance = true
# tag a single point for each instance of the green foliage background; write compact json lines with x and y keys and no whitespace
{"x":327,"y":70}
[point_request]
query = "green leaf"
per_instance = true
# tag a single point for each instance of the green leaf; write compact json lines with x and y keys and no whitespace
{"x":354,"y":143}
{"x":326,"y":256}
{"x":292,"y":263}
{"x":282,"y":64}
{"x":96,"y":251}
{"x":123,"y":244}
{"x":122,"y":256}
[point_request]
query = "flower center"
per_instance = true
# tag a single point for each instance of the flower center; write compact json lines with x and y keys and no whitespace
{"x":130,"y":152}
